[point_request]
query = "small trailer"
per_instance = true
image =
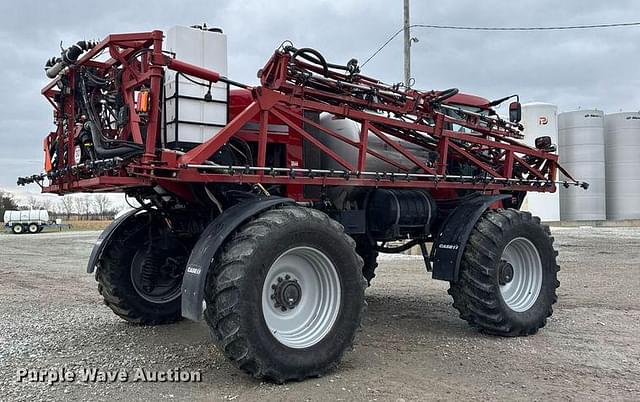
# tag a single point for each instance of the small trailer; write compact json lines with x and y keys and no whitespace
{"x":28,"y":221}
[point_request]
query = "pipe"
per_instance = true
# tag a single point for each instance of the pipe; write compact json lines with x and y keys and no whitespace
{"x":193,"y":70}
{"x":68,"y":56}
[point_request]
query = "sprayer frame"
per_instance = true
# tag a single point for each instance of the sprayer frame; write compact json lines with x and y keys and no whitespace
{"x":283,"y":100}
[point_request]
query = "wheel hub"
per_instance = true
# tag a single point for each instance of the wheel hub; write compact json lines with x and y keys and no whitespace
{"x":286,"y":293}
{"x":156,"y":274}
{"x":520,"y":274}
{"x":301,"y":297}
{"x":505,"y":273}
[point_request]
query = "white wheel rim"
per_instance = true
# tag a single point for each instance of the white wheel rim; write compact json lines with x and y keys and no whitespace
{"x":18,"y":229}
{"x":522,"y":291}
{"x":33,"y":228}
{"x":318,"y":299}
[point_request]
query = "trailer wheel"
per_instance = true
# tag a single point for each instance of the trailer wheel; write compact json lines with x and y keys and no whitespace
{"x":142,"y":284}
{"x":17,"y":229}
{"x":508,"y":274}
{"x":33,"y":228}
{"x":285,"y":296}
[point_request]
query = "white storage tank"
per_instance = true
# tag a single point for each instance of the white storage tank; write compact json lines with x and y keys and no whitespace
{"x":26,"y":216}
{"x":581,"y":150}
{"x":622,"y":151}
{"x":189,"y":118}
{"x":351,"y":130}
{"x":540,"y":119}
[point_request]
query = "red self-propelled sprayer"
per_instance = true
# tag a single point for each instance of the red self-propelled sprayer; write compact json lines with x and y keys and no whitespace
{"x":270,"y":203}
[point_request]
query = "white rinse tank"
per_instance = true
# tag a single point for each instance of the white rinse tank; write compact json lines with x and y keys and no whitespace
{"x":581,"y":149}
{"x":540,"y":119}
{"x":190,"y":120}
{"x":622,"y":151}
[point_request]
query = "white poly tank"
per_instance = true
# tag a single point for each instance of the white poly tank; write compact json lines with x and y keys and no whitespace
{"x":540,"y":119}
{"x":189,"y":119}
{"x":26,"y":216}
{"x":622,"y":153}
{"x":581,"y":150}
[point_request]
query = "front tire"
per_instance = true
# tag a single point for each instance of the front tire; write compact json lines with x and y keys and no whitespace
{"x":285,"y":296}
{"x":508,"y":274}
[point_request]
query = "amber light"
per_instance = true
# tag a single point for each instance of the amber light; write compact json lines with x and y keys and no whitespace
{"x":142,"y":105}
{"x":47,"y":158}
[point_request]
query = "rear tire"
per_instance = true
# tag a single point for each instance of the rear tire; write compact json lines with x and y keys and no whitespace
{"x":508,"y":274}
{"x":17,"y":229}
{"x":33,"y":228}
{"x":303,"y":329}
{"x":120,"y":271}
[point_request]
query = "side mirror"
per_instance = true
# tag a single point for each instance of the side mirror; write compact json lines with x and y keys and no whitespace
{"x":544,"y":143}
{"x":515,"y":112}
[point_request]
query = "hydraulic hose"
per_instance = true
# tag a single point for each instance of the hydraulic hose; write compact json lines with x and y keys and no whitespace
{"x":123,"y":150}
{"x":316,"y":57}
{"x":444,"y":95}
{"x":67,"y":57}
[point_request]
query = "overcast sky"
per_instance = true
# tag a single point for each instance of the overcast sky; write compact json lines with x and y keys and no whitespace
{"x":584,"y":68}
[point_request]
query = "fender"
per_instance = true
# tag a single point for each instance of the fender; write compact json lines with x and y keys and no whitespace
{"x":449,"y":246}
{"x":210,"y":240}
{"x":105,"y":237}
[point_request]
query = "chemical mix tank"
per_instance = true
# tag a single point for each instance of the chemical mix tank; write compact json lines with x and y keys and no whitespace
{"x":540,"y":119}
{"x":581,"y":150}
{"x":622,"y":149}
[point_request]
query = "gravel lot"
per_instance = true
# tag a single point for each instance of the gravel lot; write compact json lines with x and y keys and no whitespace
{"x":413,"y":345}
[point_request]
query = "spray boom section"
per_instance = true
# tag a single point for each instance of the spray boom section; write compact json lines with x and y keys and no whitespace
{"x":111,"y":108}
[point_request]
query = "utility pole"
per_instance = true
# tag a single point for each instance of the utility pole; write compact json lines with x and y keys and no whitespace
{"x":407,"y":45}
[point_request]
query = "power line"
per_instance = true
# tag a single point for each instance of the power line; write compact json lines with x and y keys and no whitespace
{"x":469,"y":28}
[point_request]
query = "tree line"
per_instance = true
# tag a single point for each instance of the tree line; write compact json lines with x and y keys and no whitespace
{"x":76,"y":207}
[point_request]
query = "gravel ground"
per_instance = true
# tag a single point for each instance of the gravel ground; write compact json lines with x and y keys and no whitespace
{"x":413,"y":345}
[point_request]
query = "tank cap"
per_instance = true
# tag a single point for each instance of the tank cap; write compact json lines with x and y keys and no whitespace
{"x":204,"y":27}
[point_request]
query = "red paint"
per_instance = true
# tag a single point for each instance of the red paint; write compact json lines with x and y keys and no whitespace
{"x":468,"y":100}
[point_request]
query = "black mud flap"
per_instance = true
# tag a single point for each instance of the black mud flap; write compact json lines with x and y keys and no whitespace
{"x":105,"y":237}
{"x":208,"y":244}
{"x":448,"y":248}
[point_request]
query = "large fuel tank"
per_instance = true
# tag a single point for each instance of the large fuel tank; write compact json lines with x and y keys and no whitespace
{"x":396,"y":213}
{"x":351,"y":130}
